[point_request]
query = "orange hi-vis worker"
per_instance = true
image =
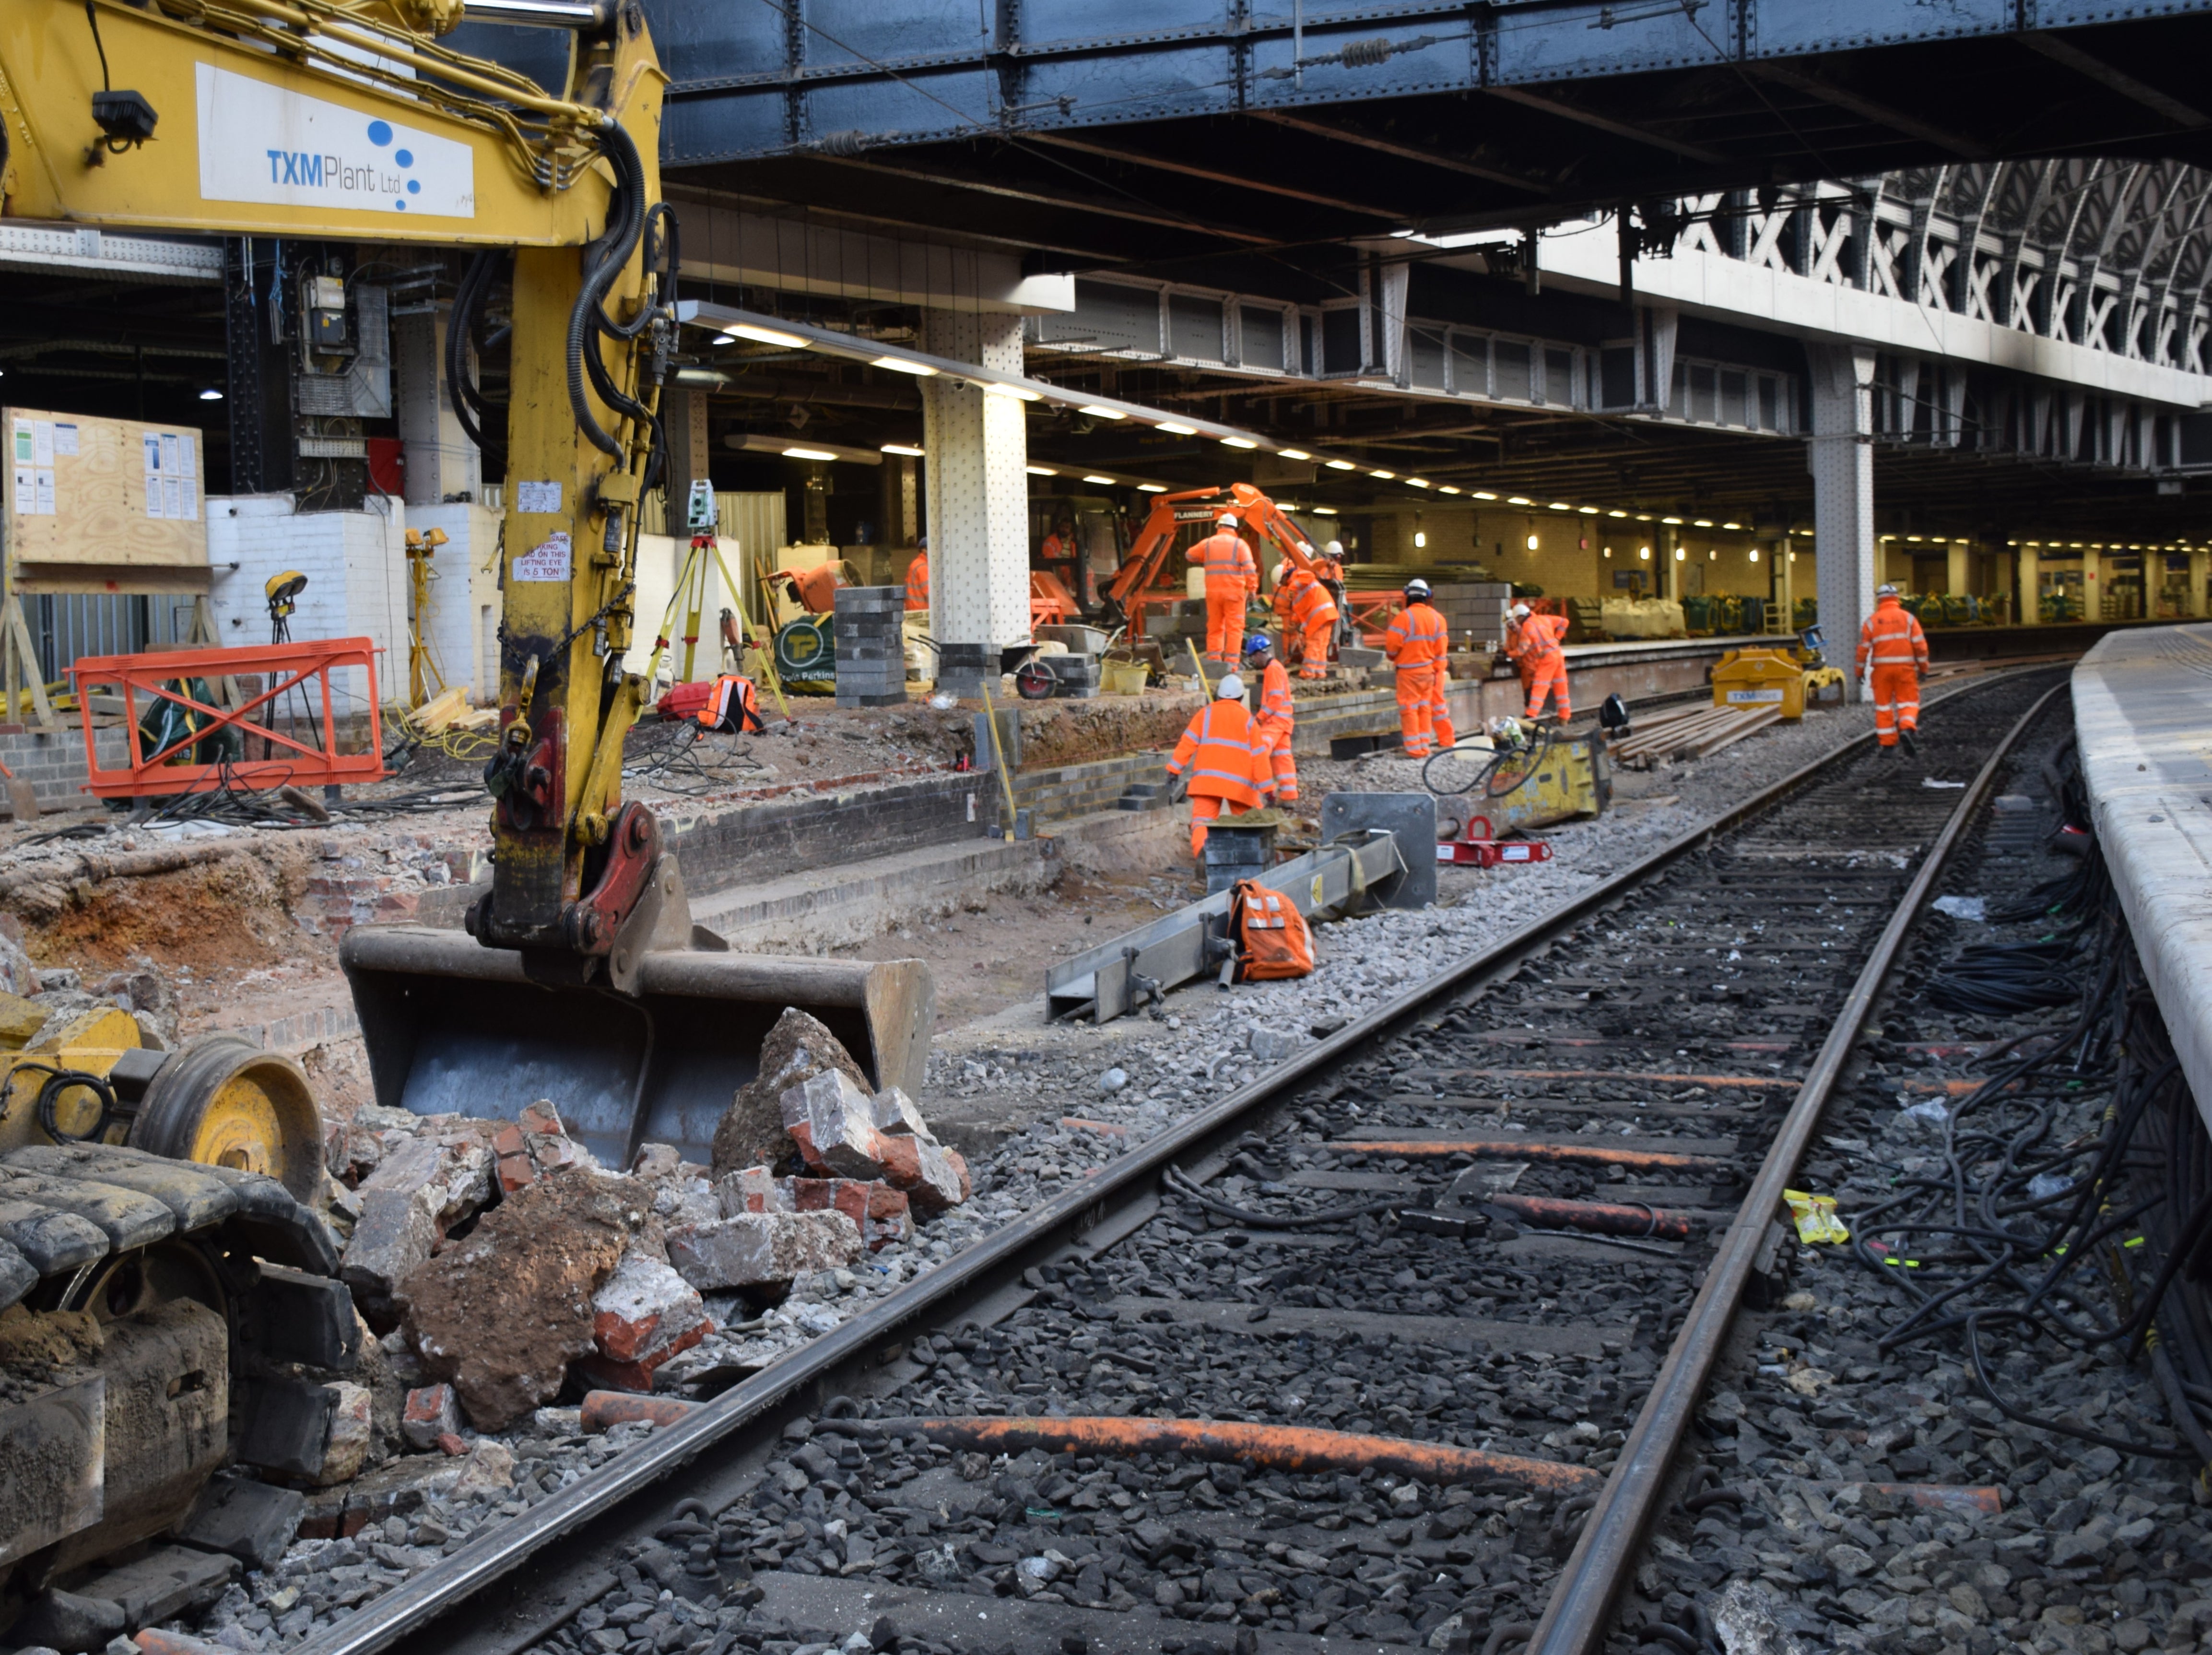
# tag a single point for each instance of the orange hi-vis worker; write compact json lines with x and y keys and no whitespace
{"x":1545,"y":669}
{"x":1308,"y":614}
{"x":917,"y":581}
{"x":1897,"y":649}
{"x":1277,"y":717}
{"x":1221,"y":758}
{"x":1231,"y":577}
{"x":1440,"y":722}
{"x":1417,"y":642}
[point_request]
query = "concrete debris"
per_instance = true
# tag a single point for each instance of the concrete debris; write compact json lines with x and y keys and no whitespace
{"x":883,"y":1214}
{"x":754,"y":1189}
{"x":1745,"y":1618}
{"x":489,"y":1469}
{"x":432,"y":1412}
{"x":502,"y":1312}
{"x":763,"y":1252}
{"x":799,"y":1047}
{"x":353,"y":1433}
{"x":897,"y":1116}
{"x":420,"y":1188}
{"x":645,"y":1314}
{"x":834,"y":1122}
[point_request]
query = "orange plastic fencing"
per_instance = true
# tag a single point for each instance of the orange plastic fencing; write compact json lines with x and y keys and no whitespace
{"x":302,"y":754}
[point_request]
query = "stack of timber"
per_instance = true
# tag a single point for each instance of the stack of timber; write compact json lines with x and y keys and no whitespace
{"x":1689,"y":733}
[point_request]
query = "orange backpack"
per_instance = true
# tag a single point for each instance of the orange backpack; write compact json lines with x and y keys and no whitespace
{"x":1272,"y":942}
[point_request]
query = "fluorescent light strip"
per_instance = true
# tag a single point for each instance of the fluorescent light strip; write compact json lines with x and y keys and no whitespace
{"x":808,"y":453}
{"x":900,"y":365}
{"x":902,"y":449}
{"x":1098,"y":412}
{"x":1173,"y":430}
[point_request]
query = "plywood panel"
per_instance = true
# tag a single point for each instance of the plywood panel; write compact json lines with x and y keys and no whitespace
{"x":117,"y":497}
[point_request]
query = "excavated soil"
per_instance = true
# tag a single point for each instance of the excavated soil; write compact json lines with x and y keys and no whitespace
{"x":1105,"y":727}
{"x":227,"y":915}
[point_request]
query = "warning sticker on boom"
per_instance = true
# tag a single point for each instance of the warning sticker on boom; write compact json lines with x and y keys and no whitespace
{"x":547,"y":560}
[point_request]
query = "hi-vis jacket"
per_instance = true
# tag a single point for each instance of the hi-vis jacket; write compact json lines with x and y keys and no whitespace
{"x":1222,"y":755}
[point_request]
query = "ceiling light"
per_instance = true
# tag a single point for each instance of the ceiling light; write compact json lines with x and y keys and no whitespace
{"x":992,"y":387}
{"x":1388,"y":476}
{"x":1732,"y":526}
{"x":1323,"y":511}
{"x":1519,"y":500}
{"x":738,"y":331}
{"x":1532,"y":543}
{"x":1616,"y":513}
{"x":1420,"y":540}
{"x":1417,"y":483}
{"x":1103,"y":482}
{"x":1587,"y":511}
{"x":901,"y":365}
{"x":902,"y":449}
{"x":1793,"y":556}
{"x":1712,"y":554}
{"x":1644,"y":517}
{"x":1701,"y":523}
{"x":1039,"y":471}
{"x":808,"y":453}
{"x":1676,"y":521}
{"x":1644,"y":552}
{"x":1294,"y":453}
{"x":1484,"y":494}
{"x":1914,"y":539}
{"x":1174,"y":430}
{"x":1097,"y":413}
{"x":1238,"y":442}
{"x":210,"y":395}
{"x":1152,"y":488}
{"x":1447,"y":488}
{"x":1754,"y":554}
{"x":1608,"y":551}
{"x":1681,"y":555}
{"x":1561,"y":505}
{"x":1340,"y":465}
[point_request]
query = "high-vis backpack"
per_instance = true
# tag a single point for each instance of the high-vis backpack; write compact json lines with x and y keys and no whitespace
{"x":1271,"y":938}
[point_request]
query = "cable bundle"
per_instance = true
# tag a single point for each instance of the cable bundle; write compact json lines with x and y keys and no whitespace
{"x":1997,"y":979}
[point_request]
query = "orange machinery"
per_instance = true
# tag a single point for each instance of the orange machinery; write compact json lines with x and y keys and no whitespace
{"x":1138,"y":585}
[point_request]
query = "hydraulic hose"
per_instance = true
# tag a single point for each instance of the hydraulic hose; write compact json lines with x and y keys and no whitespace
{"x":603,"y":262}
{"x":469,"y":404}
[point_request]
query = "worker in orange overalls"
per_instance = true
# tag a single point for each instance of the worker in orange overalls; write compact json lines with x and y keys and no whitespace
{"x":1063,"y":555}
{"x":1276,"y":719}
{"x":1417,"y":642}
{"x":1328,"y":569}
{"x":1892,"y":642}
{"x":1231,"y":578}
{"x":917,"y":579}
{"x":1309,"y":614}
{"x":1545,"y":671}
{"x":1220,"y":761}
{"x":1440,"y":722}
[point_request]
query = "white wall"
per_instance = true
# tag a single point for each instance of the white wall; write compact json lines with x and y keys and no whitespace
{"x":659,"y":561}
{"x":464,"y":610}
{"x":356,"y":565}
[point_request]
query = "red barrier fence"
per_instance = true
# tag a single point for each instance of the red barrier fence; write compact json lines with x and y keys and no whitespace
{"x":303,"y":755}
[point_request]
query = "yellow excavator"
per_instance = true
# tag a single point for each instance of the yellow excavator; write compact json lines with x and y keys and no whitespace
{"x":140,"y":1188}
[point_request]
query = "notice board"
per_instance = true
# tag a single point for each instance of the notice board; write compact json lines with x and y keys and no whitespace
{"x":102,"y":505}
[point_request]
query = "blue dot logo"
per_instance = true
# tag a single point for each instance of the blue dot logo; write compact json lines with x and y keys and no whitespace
{"x":404,"y":157}
{"x":401,"y":205}
{"x":379,"y":133}
{"x":414,"y":186}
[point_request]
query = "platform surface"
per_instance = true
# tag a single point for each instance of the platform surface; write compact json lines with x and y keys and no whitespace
{"x":2142,"y":708}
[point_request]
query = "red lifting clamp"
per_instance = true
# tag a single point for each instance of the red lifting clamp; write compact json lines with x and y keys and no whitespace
{"x":1486,"y":851}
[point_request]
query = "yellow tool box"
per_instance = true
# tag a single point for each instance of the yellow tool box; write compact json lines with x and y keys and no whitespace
{"x":1771,"y":678}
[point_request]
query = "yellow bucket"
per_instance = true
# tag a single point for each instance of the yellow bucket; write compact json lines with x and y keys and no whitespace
{"x":1122,"y":677}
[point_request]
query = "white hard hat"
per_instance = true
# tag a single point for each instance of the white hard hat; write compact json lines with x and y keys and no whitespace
{"x":1520,"y":611}
{"x":1227,"y":519}
{"x":1336,"y":549}
{"x":1885,"y":590}
{"x":1417,"y":588}
{"x":1230,"y":688}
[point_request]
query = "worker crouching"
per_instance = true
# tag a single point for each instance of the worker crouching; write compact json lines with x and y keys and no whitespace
{"x":1893,"y":644}
{"x":1309,"y":614}
{"x":1220,"y":760}
{"x":1231,"y":578}
{"x":1277,"y":717}
{"x":1416,"y":643}
{"x":1535,"y":648}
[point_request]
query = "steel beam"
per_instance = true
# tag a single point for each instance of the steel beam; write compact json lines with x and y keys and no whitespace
{"x":2065,"y":52}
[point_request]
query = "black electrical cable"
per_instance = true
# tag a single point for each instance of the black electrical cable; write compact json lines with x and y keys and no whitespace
{"x":59,"y":1081}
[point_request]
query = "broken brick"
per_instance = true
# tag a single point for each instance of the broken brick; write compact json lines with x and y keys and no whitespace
{"x":515,"y":1167}
{"x":765,"y":1250}
{"x":431,"y":1412}
{"x":751,"y":1131}
{"x":645,"y":1314}
{"x":755,"y":1189}
{"x":353,"y":1432}
{"x":604,"y":1410}
{"x":424,"y":1186}
{"x":883,"y":1214}
{"x":896,"y":1116}
{"x":833,"y":1122}
{"x":933,"y":1177}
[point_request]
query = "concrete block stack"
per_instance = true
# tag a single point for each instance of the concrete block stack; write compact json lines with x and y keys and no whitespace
{"x":1476,"y":609}
{"x":870,"y":646}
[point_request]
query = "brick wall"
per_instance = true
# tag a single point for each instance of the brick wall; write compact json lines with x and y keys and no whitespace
{"x":357,"y":568}
{"x":52,"y":761}
{"x":786,"y":836}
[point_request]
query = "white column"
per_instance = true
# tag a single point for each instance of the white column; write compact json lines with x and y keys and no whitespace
{"x":2197,"y":562}
{"x":1841,"y":460}
{"x":1958,"y":568}
{"x":441,"y":461}
{"x":684,"y":419}
{"x":977,"y":449}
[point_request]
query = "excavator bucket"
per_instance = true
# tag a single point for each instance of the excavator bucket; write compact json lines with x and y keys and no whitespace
{"x":453,"y":1026}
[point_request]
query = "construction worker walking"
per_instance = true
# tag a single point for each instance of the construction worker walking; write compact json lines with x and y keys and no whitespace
{"x":1545,"y":671}
{"x":1231,"y":578}
{"x":1416,"y":643}
{"x":1219,"y":760}
{"x":1309,"y":614}
{"x":1276,"y":719}
{"x":1893,"y":644}
{"x":917,"y":579}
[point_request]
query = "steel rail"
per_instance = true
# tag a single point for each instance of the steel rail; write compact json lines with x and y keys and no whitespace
{"x":557,"y":1540}
{"x":1577,"y":1620}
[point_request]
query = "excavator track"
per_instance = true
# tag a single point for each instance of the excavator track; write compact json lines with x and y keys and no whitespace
{"x":155,"y":1315}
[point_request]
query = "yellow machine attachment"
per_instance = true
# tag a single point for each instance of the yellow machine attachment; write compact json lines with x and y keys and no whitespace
{"x":91,"y":1079}
{"x":1549,"y":780}
{"x":1786,"y":678}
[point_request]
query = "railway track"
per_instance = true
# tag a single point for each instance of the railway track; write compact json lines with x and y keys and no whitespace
{"x":1394,"y":1348}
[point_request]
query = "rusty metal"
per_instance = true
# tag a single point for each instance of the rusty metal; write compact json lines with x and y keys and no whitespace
{"x":1512,"y":1149}
{"x":1598,"y":1217}
{"x":1277,"y":1447}
{"x":1580,"y":1612}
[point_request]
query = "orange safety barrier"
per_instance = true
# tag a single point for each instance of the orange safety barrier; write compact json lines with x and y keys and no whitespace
{"x":304,"y":756}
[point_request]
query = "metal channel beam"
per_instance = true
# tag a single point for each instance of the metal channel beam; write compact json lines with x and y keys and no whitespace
{"x":1357,"y":873}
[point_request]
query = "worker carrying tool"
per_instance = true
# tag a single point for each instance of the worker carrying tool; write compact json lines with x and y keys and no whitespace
{"x":1417,"y":643}
{"x":1894,"y":646}
{"x":917,"y":579}
{"x":1543,"y":664}
{"x":732,"y":707}
{"x":1231,"y":578}
{"x":1276,"y":718}
{"x":1220,"y":761}
{"x":1309,"y":614}
{"x":1328,"y":569}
